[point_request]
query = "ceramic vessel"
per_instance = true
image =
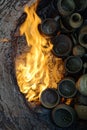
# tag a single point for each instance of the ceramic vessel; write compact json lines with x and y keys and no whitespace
{"x":62,"y":45}
{"x":83,"y":36}
{"x":67,"y":88}
{"x":49,"y":98}
{"x":81,"y":4}
{"x":75,"y":20}
{"x":65,"y":7}
{"x":73,"y":64}
{"x":63,"y":115}
{"x":78,"y":50}
{"x":81,"y":99}
{"x":81,"y":111}
{"x":49,"y":27}
{"x":81,"y":85}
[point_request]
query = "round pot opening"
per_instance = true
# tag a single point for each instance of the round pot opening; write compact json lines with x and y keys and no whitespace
{"x":62,"y":46}
{"x":67,"y":5}
{"x":49,"y":27}
{"x":73,"y":64}
{"x":63,"y":115}
{"x":76,"y":18}
{"x":49,"y":98}
{"x":67,"y":88}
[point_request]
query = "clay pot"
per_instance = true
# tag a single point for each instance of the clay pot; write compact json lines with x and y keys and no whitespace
{"x":81,"y":100}
{"x":83,"y":36}
{"x":75,"y":20}
{"x":81,"y":85}
{"x":81,"y":111}
{"x":66,"y":88}
{"x":81,"y":4}
{"x":63,"y":115}
{"x":71,"y":22}
{"x":49,"y":27}
{"x":62,"y":45}
{"x":78,"y":50}
{"x":73,"y":64}
{"x":65,"y":7}
{"x":49,"y":98}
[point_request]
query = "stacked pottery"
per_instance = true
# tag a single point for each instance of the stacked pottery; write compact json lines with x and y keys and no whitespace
{"x":68,"y":34}
{"x":49,"y":98}
{"x":81,"y":4}
{"x":62,"y":46}
{"x":81,"y":106}
{"x":63,"y":115}
{"x":49,"y":27}
{"x":73,"y":64}
{"x":83,"y":36}
{"x":66,"y":88}
{"x":72,"y":22}
{"x":78,"y":50}
{"x":66,"y":7}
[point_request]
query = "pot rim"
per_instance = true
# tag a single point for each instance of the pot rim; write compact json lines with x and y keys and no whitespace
{"x":81,"y":64}
{"x":68,"y":109}
{"x":78,"y":23}
{"x":50,"y":105}
{"x":81,"y":41}
{"x":75,"y":91}
{"x":69,"y":49}
{"x":62,"y":11}
{"x":52,"y":33}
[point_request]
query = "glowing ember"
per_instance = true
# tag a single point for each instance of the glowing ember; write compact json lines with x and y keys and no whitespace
{"x":36,"y":69}
{"x":68,"y":101}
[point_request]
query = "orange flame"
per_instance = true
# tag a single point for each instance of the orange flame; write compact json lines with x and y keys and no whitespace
{"x":37,"y":69}
{"x":68,"y":101}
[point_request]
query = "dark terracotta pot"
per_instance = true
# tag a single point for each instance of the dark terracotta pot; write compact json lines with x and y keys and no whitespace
{"x":81,"y":85}
{"x":67,"y":88}
{"x":62,"y":45}
{"x":65,"y":28}
{"x":73,"y":64}
{"x":63,"y":115}
{"x":81,"y":111}
{"x":49,"y":27}
{"x":71,"y":22}
{"x":80,"y":4}
{"x":75,"y":20}
{"x":78,"y":50}
{"x":81,"y":99}
{"x":65,"y":7}
{"x":83,"y":36}
{"x":49,"y":98}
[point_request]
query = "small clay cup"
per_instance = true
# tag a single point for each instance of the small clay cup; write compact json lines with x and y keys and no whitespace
{"x":49,"y":27}
{"x":81,"y":5}
{"x":65,"y":7}
{"x":81,"y":85}
{"x":83,"y":36}
{"x":62,"y":45}
{"x":49,"y":98}
{"x":81,"y":99}
{"x":78,"y":50}
{"x":81,"y":111}
{"x":63,"y":115}
{"x":75,"y":20}
{"x":67,"y":88}
{"x":73,"y":64}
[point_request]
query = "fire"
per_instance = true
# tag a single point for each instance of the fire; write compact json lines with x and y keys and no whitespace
{"x":36,"y":69}
{"x":69,"y":100}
